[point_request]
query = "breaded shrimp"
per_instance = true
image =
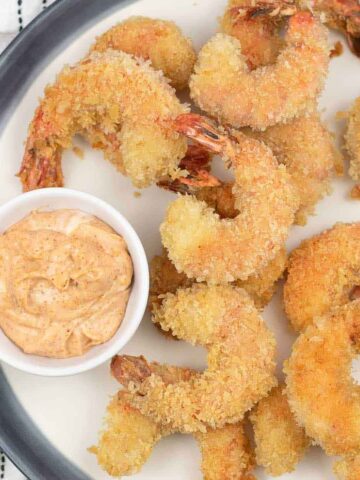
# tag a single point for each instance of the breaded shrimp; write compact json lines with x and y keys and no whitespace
{"x":164,"y":278}
{"x":322,"y":273}
{"x":348,"y":468}
{"x":159,"y":41}
{"x":240,"y":360}
{"x":130,"y":436}
{"x":308,"y":151}
{"x":223,"y":86}
{"x":205,"y":247}
{"x":304,"y":146}
{"x":121,"y":105}
{"x":321,"y":391}
{"x":280,"y":441}
{"x":352,"y":139}
{"x":257,"y":27}
{"x":226,"y":453}
{"x":343,"y":15}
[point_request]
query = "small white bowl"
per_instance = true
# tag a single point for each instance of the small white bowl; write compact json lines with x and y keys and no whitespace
{"x":54,"y":199}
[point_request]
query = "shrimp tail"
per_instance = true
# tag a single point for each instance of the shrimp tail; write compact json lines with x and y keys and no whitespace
{"x":195,"y":127}
{"x":197,"y":165}
{"x":39,"y":172}
{"x":269,"y":8}
{"x":127,"y":368}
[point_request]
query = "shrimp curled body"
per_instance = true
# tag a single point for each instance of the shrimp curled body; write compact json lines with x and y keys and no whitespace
{"x":159,"y":41}
{"x":320,"y":388}
{"x":322,"y":274}
{"x":121,"y":105}
{"x":308,"y":151}
{"x":223,"y":86}
{"x":130,"y":436}
{"x":205,"y":247}
{"x":240,"y":360}
{"x":280,"y":441}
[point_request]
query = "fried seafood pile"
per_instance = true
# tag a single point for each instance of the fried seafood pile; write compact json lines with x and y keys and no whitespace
{"x":257,"y":84}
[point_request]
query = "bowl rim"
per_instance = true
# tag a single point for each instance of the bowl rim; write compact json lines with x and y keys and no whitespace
{"x":137,"y":247}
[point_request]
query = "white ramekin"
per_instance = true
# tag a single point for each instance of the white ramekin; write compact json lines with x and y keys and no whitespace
{"x":54,"y":199}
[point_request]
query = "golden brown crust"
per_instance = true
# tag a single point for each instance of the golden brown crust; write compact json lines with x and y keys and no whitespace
{"x":226,"y":454}
{"x":322,"y":273}
{"x":207,"y":248}
{"x":164,"y":278}
{"x":159,"y":41}
{"x":128,"y":438}
{"x":259,"y":36}
{"x":321,"y":391}
{"x":348,"y":468}
{"x":225,"y":321}
{"x":308,"y":151}
{"x":223,"y":86}
{"x":352,"y":139}
{"x":121,"y":105}
{"x":280,"y":441}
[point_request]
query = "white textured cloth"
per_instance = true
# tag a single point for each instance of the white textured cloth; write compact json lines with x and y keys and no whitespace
{"x":14,"y":16}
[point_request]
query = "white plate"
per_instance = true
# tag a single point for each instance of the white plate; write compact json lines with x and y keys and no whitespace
{"x":69,"y":411}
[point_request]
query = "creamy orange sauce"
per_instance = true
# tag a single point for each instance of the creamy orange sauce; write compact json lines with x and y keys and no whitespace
{"x":65,"y":280}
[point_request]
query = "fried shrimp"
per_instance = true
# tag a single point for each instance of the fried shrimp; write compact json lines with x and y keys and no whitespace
{"x":240,"y":360}
{"x":205,"y":247}
{"x":226,"y":453}
{"x":164,"y":278}
{"x":304,"y":146}
{"x":322,"y":273}
{"x":352,"y":139}
{"x":121,"y":105}
{"x":321,"y":391}
{"x":159,"y":41}
{"x":280,"y":441}
{"x":256,"y":25}
{"x":343,"y":15}
{"x":308,"y":151}
{"x":223,"y":86}
{"x":129,"y":438}
{"x":348,"y":468}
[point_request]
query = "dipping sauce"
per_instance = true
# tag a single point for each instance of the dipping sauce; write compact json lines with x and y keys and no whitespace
{"x":65,"y":280}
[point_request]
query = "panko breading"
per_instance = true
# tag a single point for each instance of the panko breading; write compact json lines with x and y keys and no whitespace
{"x":129,"y":437}
{"x":352,"y":139}
{"x":159,"y":41}
{"x":258,"y":34}
{"x":241,"y":364}
{"x":121,"y":105}
{"x":342,"y":15}
{"x":280,"y":441}
{"x":207,"y":248}
{"x":322,"y":273}
{"x":308,"y":151}
{"x":164,"y":278}
{"x":303,"y":145}
{"x":348,"y":468}
{"x":321,"y":391}
{"x":224,"y":88}
{"x":226,"y":454}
